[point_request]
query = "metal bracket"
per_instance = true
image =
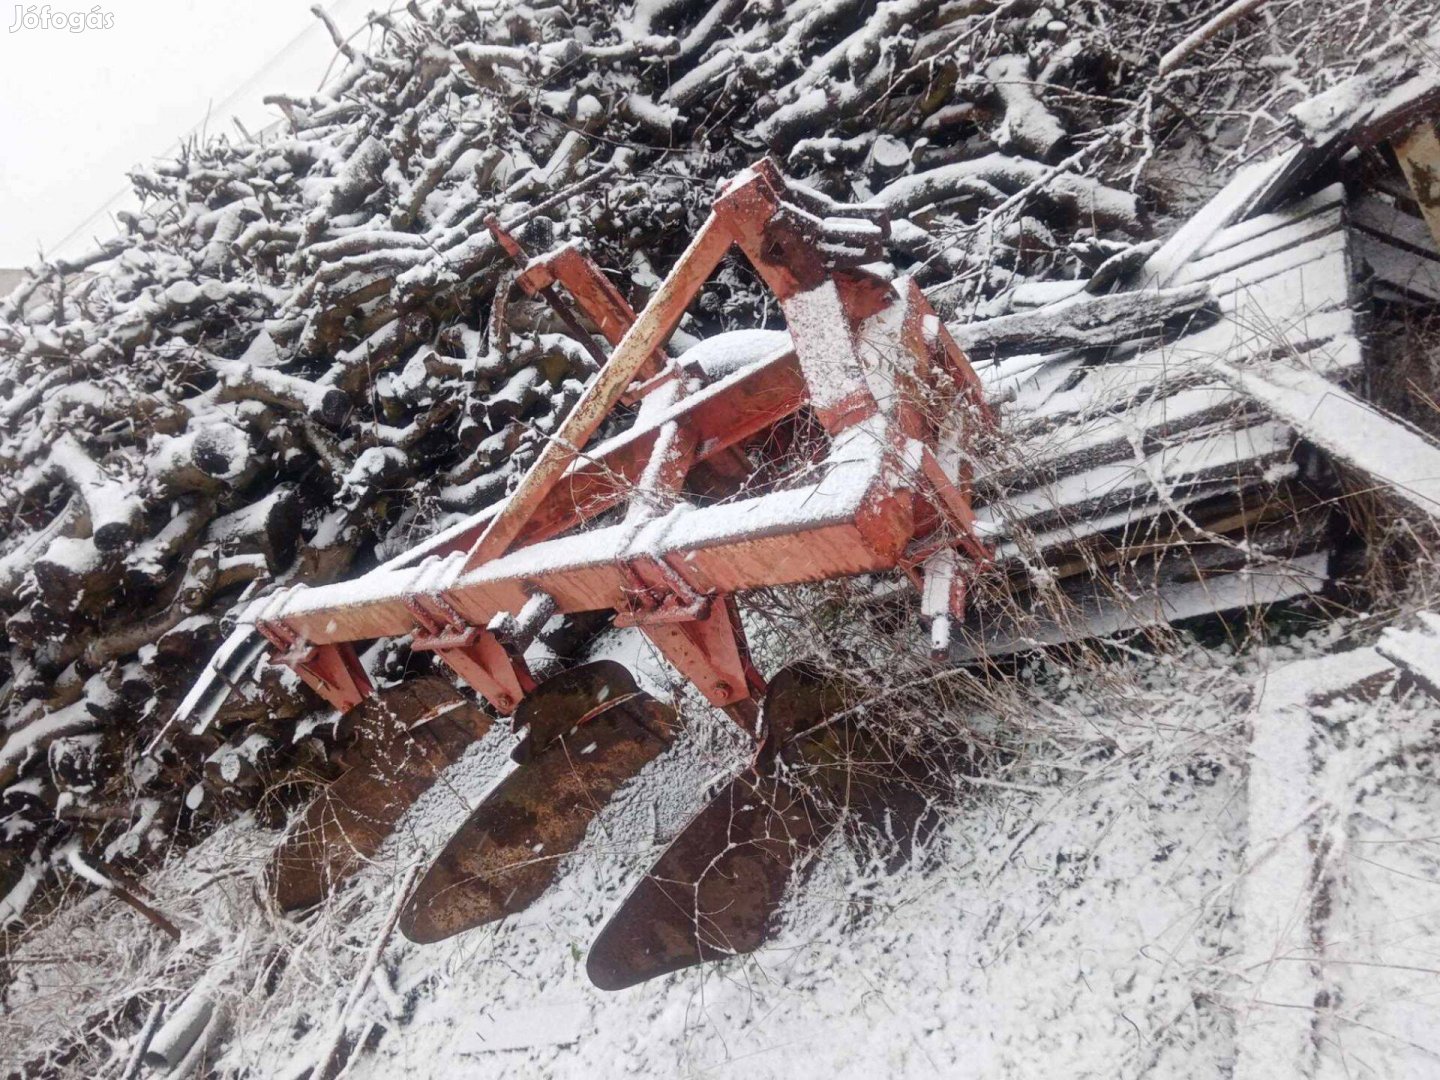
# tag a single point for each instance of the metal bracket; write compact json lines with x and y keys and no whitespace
{"x":449,"y":638}
{"x":332,"y":670}
{"x":664,"y":599}
{"x":472,"y":652}
{"x":436,"y":635}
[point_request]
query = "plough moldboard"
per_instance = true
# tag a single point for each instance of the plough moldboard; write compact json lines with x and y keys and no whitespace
{"x":900,"y":407}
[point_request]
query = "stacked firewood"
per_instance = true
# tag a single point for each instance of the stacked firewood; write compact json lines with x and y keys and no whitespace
{"x":305,"y":352}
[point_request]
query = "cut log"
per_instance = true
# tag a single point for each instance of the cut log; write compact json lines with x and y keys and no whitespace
{"x":243,"y":382}
{"x":208,"y":458}
{"x":269,"y":527}
{"x":1028,"y":126}
{"x":20,"y":560}
{"x":1094,"y":321}
{"x":990,"y":178}
{"x":192,"y":594}
{"x":74,"y":575}
{"x":114,"y":507}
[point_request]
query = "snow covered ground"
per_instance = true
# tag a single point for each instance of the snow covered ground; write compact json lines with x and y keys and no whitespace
{"x":1199,"y":864}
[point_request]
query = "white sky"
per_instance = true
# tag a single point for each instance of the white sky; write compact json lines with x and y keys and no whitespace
{"x":77,"y":110}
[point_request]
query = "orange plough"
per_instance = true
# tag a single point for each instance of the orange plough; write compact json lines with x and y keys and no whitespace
{"x":870,"y":363}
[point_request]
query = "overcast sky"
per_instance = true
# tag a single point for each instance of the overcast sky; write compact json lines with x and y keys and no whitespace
{"x":77,"y":110}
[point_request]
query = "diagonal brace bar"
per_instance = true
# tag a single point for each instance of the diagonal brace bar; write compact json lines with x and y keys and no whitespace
{"x":650,"y":331}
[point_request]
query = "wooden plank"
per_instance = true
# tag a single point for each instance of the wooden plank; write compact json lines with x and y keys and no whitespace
{"x":1261,"y":224}
{"x":1398,"y":89}
{"x":650,"y":331}
{"x":1330,"y":246}
{"x":1233,"y":457}
{"x":1036,"y":544}
{"x":1291,"y":301}
{"x":1262,"y":524}
{"x":1414,"y":276}
{"x":1264,"y":246}
{"x":1302,"y":287}
{"x":1087,"y":322}
{"x":1035,"y":388}
{"x":1325,"y":340}
{"x":1227,"y":205}
{"x":1102,"y":436}
{"x":1100,"y":612}
{"x":1389,"y":222}
{"x":1398,"y":458}
{"x":1031,"y":540}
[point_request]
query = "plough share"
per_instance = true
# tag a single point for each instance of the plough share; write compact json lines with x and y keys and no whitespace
{"x":689,"y":525}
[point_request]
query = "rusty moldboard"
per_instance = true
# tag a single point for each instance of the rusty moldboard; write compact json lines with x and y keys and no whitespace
{"x":718,"y":888}
{"x":509,"y":850}
{"x":569,"y":699}
{"x":405,"y":736}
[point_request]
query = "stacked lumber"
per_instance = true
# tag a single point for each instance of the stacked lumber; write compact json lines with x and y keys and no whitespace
{"x":1144,"y":483}
{"x":1191,"y":473}
{"x":1397,"y":248}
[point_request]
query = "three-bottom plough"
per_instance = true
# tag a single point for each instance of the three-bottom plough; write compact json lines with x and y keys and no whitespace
{"x":690,"y":523}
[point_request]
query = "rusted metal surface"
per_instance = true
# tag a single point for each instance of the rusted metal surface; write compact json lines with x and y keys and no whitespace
{"x":404,"y":737}
{"x":749,"y":406}
{"x":597,"y":297}
{"x":590,"y":580}
{"x":568,"y":700}
{"x":1418,"y":152}
{"x":717,"y":890}
{"x":509,"y":850}
{"x":472,"y":652}
{"x":898,"y":497}
{"x":812,"y":253}
{"x":699,"y":634}
{"x":718,"y":887}
{"x":331,"y":669}
{"x":593,"y":291}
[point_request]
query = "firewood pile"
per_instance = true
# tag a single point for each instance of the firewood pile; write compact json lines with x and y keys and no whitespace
{"x":305,"y":352}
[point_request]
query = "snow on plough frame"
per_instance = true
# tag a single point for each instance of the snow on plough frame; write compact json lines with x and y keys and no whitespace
{"x":901,"y":408}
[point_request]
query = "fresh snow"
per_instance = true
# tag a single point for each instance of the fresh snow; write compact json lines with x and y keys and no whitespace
{"x":1415,"y":652}
{"x":1085,"y":910}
